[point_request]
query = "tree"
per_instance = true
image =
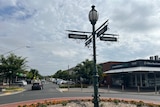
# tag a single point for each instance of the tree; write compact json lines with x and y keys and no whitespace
{"x":33,"y":74}
{"x":57,"y":74}
{"x":61,"y":74}
{"x":85,"y":70}
{"x":11,"y":65}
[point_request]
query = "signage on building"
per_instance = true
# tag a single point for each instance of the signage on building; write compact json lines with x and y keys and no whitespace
{"x":137,"y":63}
{"x":152,"y":63}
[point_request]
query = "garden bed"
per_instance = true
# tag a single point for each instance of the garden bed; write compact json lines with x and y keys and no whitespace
{"x":87,"y":102}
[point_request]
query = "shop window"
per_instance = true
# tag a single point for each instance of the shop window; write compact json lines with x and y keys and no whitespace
{"x":151,"y":79}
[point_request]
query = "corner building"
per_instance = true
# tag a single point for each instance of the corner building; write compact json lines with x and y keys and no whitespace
{"x":142,"y":73}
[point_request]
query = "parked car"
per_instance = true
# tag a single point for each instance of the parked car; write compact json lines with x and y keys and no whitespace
{"x":21,"y":83}
{"x":71,"y":82}
{"x":60,"y":81}
{"x":43,"y":81}
{"x":37,"y":86}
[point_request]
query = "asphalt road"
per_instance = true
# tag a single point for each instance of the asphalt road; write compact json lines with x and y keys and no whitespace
{"x":51,"y":91}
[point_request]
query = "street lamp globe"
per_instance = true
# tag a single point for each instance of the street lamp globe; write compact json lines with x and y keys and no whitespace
{"x":93,"y":16}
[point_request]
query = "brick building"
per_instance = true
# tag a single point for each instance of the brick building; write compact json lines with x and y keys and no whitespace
{"x":142,"y":73}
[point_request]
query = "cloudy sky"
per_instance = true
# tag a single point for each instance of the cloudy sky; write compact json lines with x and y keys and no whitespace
{"x":42,"y":25}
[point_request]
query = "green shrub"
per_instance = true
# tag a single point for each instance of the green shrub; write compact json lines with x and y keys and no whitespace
{"x":64,"y":103}
{"x":73,"y":86}
{"x":140,"y":104}
{"x":116,"y":101}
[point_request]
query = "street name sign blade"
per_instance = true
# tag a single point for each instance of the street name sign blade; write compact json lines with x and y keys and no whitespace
{"x":88,"y":41}
{"x":102,"y":25}
{"x":102,"y":31}
{"x":78,"y":31}
{"x":77,"y":36}
{"x":113,"y":39}
{"x":111,"y":34}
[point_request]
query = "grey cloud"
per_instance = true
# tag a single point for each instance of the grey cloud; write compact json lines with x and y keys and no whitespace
{"x":44,"y":31}
{"x":135,"y":16}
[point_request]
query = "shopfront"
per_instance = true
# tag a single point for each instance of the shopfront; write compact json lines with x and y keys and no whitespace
{"x":142,"y":73}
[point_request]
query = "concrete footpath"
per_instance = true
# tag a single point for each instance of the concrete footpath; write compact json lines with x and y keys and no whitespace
{"x":84,"y":90}
{"x":106,"y":90}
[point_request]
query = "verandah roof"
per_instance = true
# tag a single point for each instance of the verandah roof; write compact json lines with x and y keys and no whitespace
{"x":133,"y":69}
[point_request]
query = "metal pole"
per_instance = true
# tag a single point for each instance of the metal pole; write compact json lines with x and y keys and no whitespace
{"x":95,"y":73}
{"x":68,"y":78}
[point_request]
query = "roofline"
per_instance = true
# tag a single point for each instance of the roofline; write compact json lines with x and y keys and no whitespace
{"x":133,"y":69}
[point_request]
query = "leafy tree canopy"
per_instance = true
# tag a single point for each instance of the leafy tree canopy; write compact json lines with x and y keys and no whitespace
{"x":12,"y":63}
{"x":83,"y":70}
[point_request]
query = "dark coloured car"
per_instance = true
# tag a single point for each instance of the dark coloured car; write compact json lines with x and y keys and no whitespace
{"x":37,"y":86}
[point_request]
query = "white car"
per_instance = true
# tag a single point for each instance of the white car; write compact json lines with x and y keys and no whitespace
{"x":21,"y":83}
{"x":24,"y":82}
{"x":59,"y":82}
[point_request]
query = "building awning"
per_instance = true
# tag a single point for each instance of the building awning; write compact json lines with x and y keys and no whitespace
{"x":133,"y":69}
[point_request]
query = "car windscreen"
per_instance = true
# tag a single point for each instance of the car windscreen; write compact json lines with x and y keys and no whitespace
{"x":35,"y":83}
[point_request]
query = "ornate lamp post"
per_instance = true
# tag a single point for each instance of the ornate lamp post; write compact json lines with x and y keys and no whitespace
{"x":93,"y":17}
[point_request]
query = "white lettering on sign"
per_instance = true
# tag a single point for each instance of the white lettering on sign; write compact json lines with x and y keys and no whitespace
{"x":151,"y":63}
{"x":102,"y":31}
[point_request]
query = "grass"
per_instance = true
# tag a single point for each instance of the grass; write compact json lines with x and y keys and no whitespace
{"x":13,"y":89}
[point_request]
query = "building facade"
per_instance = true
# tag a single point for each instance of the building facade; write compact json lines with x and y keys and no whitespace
{"x":142,"y":73}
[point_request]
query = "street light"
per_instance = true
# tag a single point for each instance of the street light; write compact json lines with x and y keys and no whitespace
{"x":10,"y":77}
{"x":16,"y":49}
{"x":93,"y":17}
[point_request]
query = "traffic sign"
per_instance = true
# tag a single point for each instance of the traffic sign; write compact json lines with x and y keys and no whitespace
{"x":88,"y":41}
{"x":102,"y":30}
{"x":108,"y":39}
{"x":77,"y":36}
